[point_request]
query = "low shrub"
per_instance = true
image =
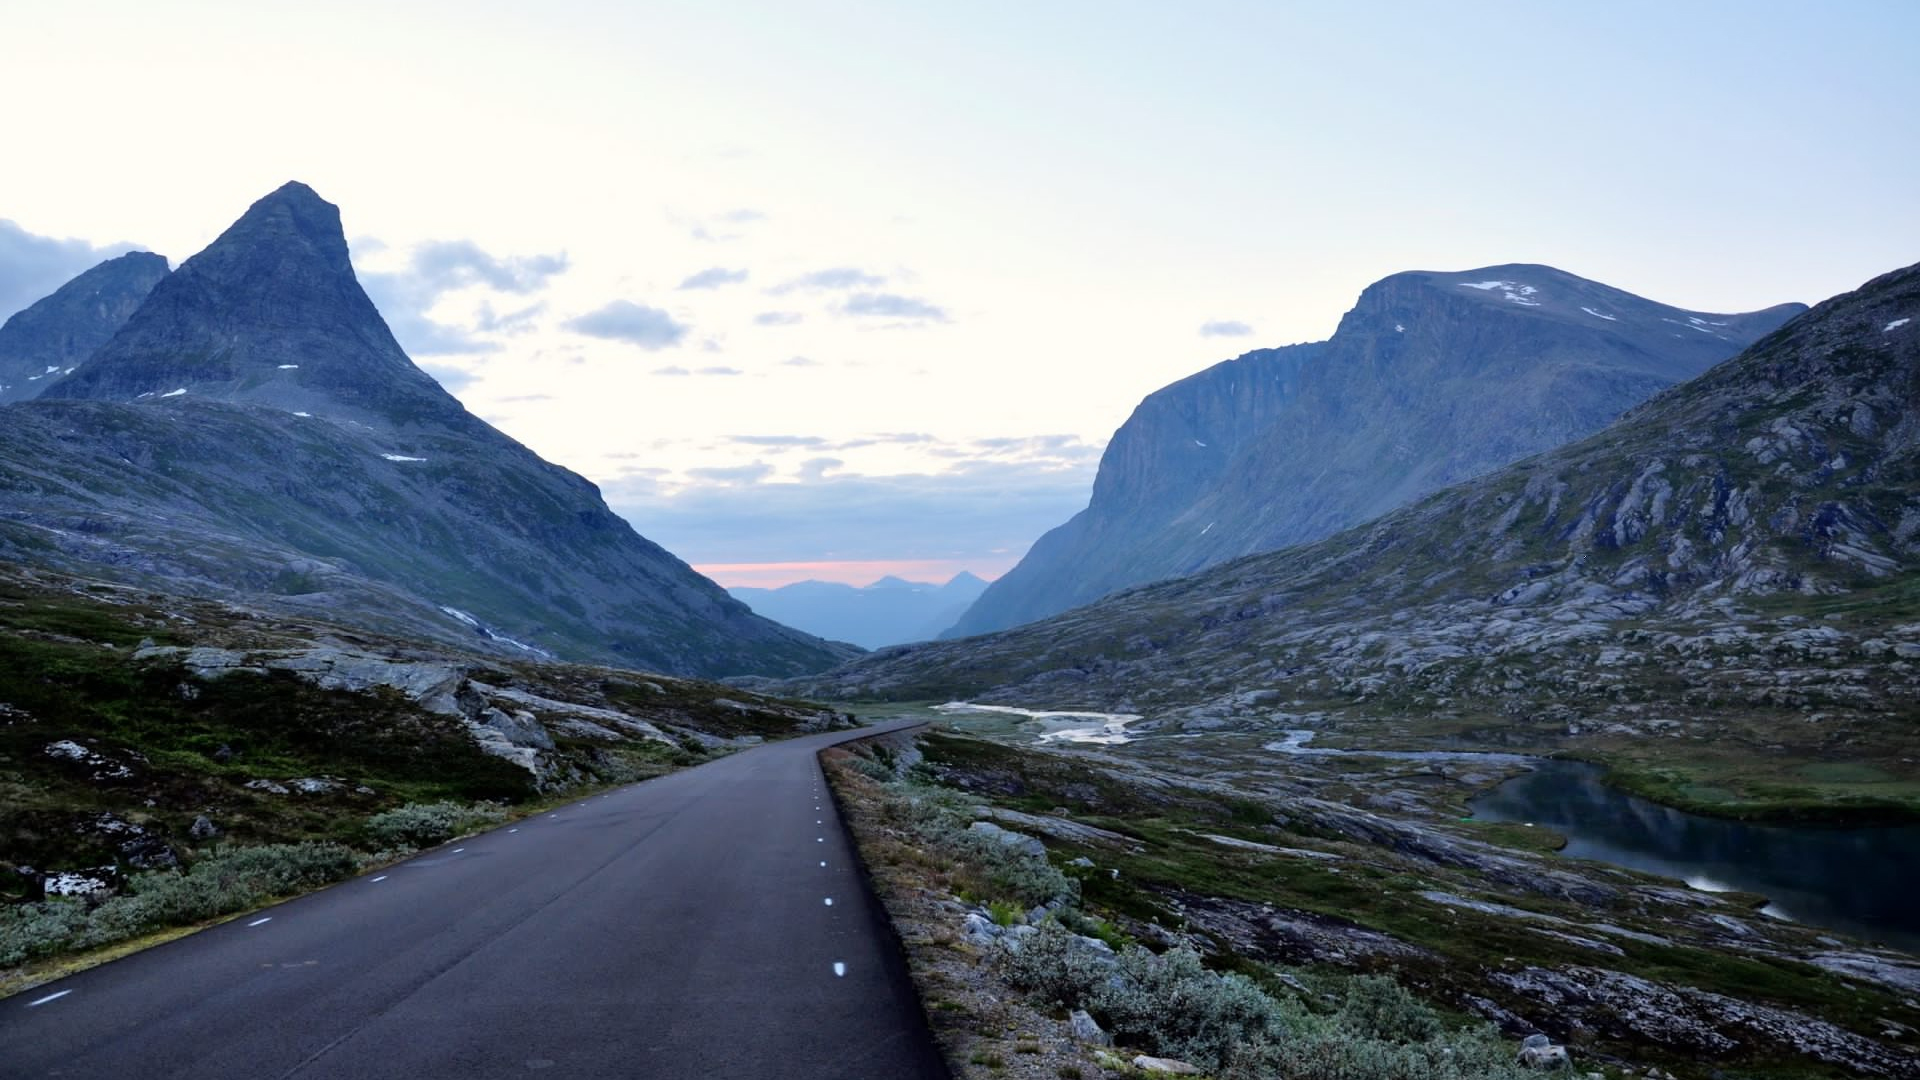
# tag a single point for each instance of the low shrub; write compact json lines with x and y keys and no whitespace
{"x":420,"y":825}
{"x":1053,"y":966}
{"x":220,"y":884}
{"x":30,"y":931}
{"x":1329,"y":1052}
{"x":1174,"y":1005}
{"x":1376,"y":1007}
{"x":1171,"y":1005}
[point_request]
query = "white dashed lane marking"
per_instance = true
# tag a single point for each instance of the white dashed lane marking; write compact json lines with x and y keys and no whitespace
{"x":382,"y":877}
{"x":261,"y":922}
{"x":49,"y":997}
{"x":840,"y":969}
{"x":513,"y":830}
{"x":829,"y":901}
{"x":457,"y":850}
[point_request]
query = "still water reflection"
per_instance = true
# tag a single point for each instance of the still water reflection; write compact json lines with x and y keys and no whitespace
{"x":1864,"y":881}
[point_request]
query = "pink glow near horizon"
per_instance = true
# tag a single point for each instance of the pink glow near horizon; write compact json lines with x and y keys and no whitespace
{"x":852,"y":572}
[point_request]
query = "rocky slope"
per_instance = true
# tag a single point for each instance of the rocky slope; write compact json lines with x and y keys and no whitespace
{"x":1720,"y":583}
{"x":141,"y":730}
{"x":1431,"y":379}
{"x":42,"y":344}
{"x":254,"y":431}
{"x":888,"y":612}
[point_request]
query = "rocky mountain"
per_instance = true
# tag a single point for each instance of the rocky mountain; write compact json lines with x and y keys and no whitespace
{"x":888,"y":612}
{"x":1431,"y":379}
{"x":1720,"y":584}
{"x":43,"y":343}
{"x":254,"y":431}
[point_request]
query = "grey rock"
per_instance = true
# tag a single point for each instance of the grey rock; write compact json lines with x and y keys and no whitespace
{"x":980,"y":930}
{"x":1545,"y":1057}
{"x":1087,"y":1030}
{"x":203,"y":828}
{"x":1170,"y":1066}
{"x":1018,"y":841}
{"x":271,"y":787}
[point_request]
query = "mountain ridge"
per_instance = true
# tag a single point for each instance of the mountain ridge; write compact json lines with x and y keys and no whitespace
{"x":44,"y":342}
{"x":1430,"y":378}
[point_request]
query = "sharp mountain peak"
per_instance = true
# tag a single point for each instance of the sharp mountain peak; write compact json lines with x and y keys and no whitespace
{"x":270,"y":314}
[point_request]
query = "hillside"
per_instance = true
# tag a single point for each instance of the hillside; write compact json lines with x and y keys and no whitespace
{"x":1431,"y":379}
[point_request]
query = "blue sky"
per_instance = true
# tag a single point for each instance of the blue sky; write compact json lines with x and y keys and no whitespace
{"x":862,"y":284}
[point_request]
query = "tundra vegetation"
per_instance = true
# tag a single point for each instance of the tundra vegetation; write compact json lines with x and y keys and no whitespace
{"x":1321,"y":917}
{"x":165,"y":761}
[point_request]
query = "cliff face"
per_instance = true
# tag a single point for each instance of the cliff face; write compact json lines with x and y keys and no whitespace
{"x":1431,"y":379}
{"x":254,"y":431}
{"x":44,"y":343}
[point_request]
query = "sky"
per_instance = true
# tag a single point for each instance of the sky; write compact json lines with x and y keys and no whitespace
{"x":836,"y":290}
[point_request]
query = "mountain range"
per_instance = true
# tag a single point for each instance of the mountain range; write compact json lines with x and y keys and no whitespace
{"x":1431,"y":378}
{"x":1725,"y":574}
{"x":252,"y":431}
{"x":888,"y":612}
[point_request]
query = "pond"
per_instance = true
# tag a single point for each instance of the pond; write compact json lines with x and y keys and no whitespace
{"x":1862,"y":881}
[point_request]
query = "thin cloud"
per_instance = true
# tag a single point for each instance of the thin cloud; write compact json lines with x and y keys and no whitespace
{"x":778,"y":440}
{"x":800,"y":361}
{"x":636,"y":324}
{"x":721,"y":371}
{"x":755,"y":514}
{"x":891,"y":306}
{"x":734,"y":474}
{"x":671,"y":369}
{"x":832,"y":278}
{"x":438,"y":267}
{"x":1225,"y":328}
{"x":713,"y":278}
{"x":777,"y":318}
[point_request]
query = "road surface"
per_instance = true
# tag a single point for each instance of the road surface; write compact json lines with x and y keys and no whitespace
{"x":709,"y":923}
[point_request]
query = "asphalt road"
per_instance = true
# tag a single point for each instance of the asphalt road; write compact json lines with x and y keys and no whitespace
{"x":710,"y":923}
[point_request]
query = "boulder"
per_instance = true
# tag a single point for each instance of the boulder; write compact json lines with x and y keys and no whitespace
{"x":1087,"y":1030}
{"x":1545,"y":1057}
{"x":1169,"y":1066}
{"x":203,"y":828}
{"x":1019,"y":841}
{"x":980,"y":930}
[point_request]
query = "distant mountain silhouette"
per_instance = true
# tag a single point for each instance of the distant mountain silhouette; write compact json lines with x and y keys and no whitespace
{"x":888,"y":612}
